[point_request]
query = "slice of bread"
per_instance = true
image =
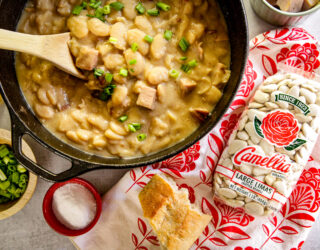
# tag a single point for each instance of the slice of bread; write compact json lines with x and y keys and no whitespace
{"x":176,"y":222}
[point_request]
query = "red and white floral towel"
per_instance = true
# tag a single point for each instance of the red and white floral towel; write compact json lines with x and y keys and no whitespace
{"x":122,"y":225}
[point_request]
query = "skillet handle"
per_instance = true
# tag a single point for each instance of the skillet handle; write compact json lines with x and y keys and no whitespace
{"x":18,"y":130}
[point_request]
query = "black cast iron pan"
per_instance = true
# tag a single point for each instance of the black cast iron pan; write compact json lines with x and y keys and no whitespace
{"x":24,"y":121}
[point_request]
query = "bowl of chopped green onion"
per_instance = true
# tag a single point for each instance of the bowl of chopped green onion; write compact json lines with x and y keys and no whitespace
{"x":17,"y":184}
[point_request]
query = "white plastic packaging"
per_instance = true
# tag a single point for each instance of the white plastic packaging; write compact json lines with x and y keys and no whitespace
{"x":270,"y":146}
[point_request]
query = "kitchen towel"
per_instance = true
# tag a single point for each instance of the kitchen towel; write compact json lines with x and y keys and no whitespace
{"x":122,"y":225}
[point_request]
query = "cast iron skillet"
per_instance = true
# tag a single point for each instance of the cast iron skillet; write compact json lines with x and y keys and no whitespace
{"x":24,"y":121}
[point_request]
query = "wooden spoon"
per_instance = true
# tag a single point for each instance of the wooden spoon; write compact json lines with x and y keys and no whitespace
{"x":53,"y":48}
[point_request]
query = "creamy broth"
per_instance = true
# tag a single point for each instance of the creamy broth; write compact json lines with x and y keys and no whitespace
{"x":152,"y":100}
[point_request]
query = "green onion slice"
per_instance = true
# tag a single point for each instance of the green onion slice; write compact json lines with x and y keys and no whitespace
{"x":21,"y":169}
{"x":123,"y":72}
{"x":106,"y":9}
{"x":98,"y":72}
{"x":140,"y":8}
{"x":77,"y":10}
{"x":153,"y":12}
{"x":163,"y":6}
{"x":141,"y":137}
{"x":148,"y":39}
{"x":123,"y":118}
{"x":193,"y":63}
{"x":167,"y":35}
{"x":133,"y":62}
{"x":185,"y":68}
{"x":94,"y":4}
{"x":183,"y":58}
{"x":134,"y":47}
{"x":184,"y":45}
{"x":117,"y":6}
{"x":108,"y":77}
{"x":113,"y":40}
{"x":174,"y":73}
{"x":3,"y":177}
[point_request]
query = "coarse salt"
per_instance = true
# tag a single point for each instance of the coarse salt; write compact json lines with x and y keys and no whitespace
{"x":74,"y":206}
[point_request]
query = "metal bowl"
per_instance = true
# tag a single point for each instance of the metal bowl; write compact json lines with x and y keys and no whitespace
{"x":24,"y":121}
{"x":278,"y":17}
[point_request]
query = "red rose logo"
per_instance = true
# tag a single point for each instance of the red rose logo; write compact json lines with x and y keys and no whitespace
{"x":280,"y":128}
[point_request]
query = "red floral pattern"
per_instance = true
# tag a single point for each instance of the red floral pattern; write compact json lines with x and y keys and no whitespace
{"x":280,"y":128}
{"x":247,"y":83}
{"x":303,"y":56}
{"x":183,"y":162}
{"x":192,"y":196}
{"x":227,"y":126}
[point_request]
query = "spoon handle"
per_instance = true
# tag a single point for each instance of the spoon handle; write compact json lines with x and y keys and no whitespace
{"x":20,"y":42}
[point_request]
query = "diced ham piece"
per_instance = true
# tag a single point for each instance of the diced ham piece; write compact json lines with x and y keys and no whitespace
{"x":200,"y":113}
{"x":147,"y":97}
{"x":187,"y":85}
{"x":87,"y":58}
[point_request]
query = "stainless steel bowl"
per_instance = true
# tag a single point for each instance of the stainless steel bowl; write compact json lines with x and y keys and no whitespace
{"x":278,"y":17}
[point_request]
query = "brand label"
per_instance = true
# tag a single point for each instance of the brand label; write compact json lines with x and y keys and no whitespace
{"x":294,"y":101}
{"x":253,"y":184}
{"x":248,"y":155}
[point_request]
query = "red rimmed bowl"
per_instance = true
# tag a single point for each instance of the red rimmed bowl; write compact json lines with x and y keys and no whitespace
{"x":50,"y":217}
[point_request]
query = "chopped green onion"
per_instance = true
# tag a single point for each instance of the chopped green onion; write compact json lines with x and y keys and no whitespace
{"x":137,"y":126}
{"x":167,"y":35}
{"x":183,"y":58}
{"x":140,"y":8}
{"x":3,"y":177}
{"x":106,"y":9}
{"x":163,"y":6}
{"x":117,"y":6}
{"x":98,"y":72}
{"x":134,"y":47}
{"x":185,"y":68}
{"x":94,"y":4}
{"x":148,"y":39}
{"x":21,"y":169}
{"x":134,"y":127}
{"x":99,"y":13}
{"x":15,"y":177}
{"x":142,"y":137}
{"x":133,"y":62}
{"x":3,"y":151}
{"x":6,"y":160}
{"x":123,"y":72}
{"x":184,"y":45}
{"x":77,"y":10}
{"x":153,"y":12}
{"x":131,"y":128}
{"x":174,"y":73}
{"x":107,"y":92}
{"x":193,"y":63}
{"x":108,"y":77}
{"x":123,"y":118}
{"x":113,"y":40}
{"x":132,"y":70}
{"x":4,"y":186}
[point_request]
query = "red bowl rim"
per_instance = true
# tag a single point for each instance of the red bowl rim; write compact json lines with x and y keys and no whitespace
{"x":51,"y":218}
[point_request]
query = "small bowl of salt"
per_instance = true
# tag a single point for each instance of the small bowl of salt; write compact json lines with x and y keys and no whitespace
{"x":72,"y":208}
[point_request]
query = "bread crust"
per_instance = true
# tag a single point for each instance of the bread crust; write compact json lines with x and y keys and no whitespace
{"x":172,"y":217}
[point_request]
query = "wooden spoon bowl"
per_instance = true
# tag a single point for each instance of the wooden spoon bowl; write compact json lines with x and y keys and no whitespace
{"x":10,"y":208}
